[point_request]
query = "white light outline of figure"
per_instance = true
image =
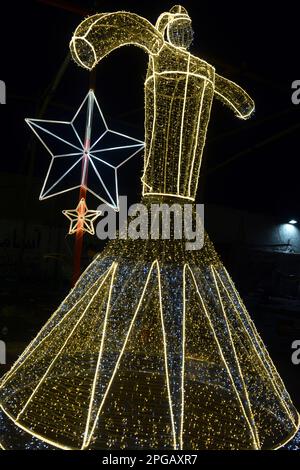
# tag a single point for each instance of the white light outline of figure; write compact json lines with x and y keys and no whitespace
{"x":19,"y":363}
{"x":183,"y":357}
{"x":108,"y":273}
{"x":93,"y":391}
{"x":104,"y":277}
{"x":272,"y":379}
{"x":252,"y":423}
{"x":92,"y":154}
{"x":258,"y":347}
{"x":223,"y":357}
{"x":87,"y":439}
{"x":83,"y":37}
{"x":170,"y":18}
{"x":182,"y":122}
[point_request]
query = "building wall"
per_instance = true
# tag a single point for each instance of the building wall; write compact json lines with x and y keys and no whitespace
{"x":226,"y":225}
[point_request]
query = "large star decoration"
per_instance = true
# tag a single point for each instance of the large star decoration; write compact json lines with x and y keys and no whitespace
{"x":81,"y":218}
{"x":84,"y":153}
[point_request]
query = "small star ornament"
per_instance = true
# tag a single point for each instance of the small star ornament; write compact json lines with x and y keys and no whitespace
{"x":84,"y":153}
{"x":81,"y":219}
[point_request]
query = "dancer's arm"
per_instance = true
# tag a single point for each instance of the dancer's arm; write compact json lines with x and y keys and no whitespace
{"x":234,"y":97}
{"x":100,"y":34}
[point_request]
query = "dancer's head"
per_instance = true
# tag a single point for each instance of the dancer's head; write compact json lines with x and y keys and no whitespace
{"x":177,"y":26}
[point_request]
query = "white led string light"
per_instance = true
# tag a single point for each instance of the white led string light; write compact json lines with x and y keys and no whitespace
{"x":90,"y":153}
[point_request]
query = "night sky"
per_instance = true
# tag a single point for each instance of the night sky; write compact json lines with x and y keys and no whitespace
{"x":253,"y":45}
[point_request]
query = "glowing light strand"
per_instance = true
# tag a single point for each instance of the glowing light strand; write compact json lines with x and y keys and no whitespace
{"x":62,"y":348}
{"x":86,"y":434}
{"x":224,"y":360}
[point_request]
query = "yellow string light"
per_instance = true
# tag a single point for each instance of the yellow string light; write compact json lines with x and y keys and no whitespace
{"x":153,"y":348}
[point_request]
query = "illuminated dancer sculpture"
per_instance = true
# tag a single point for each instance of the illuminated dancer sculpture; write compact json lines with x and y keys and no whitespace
{"x":153,"y":348}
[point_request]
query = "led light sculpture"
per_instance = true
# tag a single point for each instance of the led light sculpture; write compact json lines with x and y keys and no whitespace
{"x":83,"y":151}
{"x":81,"y":218}
{"x":153,"y":348}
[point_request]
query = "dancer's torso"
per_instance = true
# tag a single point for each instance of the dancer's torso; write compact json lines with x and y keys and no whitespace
{"x":179,"y":90}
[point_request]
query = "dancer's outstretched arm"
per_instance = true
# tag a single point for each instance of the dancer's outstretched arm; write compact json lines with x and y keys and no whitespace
{"x":100,"y":34}
{"x":234,"y":97}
